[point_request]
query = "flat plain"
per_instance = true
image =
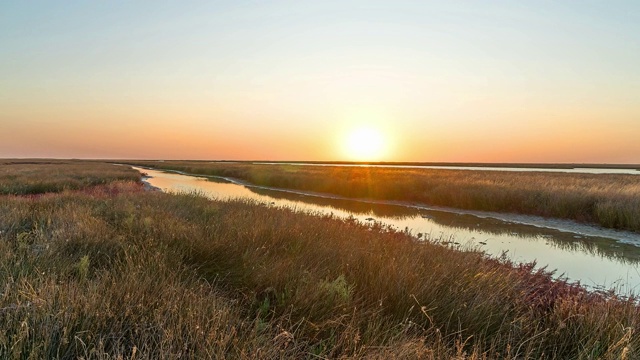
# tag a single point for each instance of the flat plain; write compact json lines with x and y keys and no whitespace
{"x":104,"y":269}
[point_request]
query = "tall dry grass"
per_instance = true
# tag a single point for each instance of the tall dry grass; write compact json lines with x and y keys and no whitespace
{"x":610,"y":200}
{"x":111,"y":271}
{"x":21,"y":177}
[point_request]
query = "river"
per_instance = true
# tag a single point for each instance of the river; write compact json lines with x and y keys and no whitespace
{"x":599,"y":258}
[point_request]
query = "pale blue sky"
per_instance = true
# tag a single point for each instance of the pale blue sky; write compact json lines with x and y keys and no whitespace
{"x":479,"y":81}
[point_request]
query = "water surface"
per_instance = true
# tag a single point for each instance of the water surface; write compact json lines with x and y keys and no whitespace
{"x":597,"y":257}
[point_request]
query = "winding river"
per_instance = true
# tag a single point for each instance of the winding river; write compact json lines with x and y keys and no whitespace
{"x":599,"y":258}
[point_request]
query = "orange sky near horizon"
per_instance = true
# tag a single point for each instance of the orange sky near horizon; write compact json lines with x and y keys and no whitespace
{"x":282,"y":80}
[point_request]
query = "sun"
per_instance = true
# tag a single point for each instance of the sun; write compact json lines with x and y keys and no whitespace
{"x":365,"y":144}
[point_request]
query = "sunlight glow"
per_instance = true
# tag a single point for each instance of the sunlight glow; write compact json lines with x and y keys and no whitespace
{"x":365,"y":144}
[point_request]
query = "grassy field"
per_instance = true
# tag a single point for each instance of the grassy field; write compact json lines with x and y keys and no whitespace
{"x":21,"y":177}
{"x":610,"y":200}
{"x":110,"y":271}
{"x":498,"y":165}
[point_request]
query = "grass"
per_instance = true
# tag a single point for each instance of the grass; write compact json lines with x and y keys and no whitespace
{"x":22,"y":177}
{"x":463,"y":164}
{"x":609,"y":200}
{"x":608,"y":248}
{"x":110,"y":271}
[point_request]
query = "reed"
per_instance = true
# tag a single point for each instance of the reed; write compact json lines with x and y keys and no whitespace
{"x":21,"y":177}
{"x":111,"y":271}
{"x":609,"y":200}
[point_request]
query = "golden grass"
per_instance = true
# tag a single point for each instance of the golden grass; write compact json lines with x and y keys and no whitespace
{"x":20,"y":177}
{"x":111,"y":271}
{"x":610,"y":200}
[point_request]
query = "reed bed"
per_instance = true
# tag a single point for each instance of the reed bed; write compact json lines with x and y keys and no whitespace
{"x":111,"y":271}
{"x":609,"y":200}
{"x":22,"y":177}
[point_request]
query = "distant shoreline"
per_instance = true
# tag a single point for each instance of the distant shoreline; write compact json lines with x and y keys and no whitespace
{"x":418,"y":163}
{"x":337,"y":162}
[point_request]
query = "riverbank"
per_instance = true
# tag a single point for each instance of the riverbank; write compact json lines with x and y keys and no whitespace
{"x":597,"y":262}
{"x":113,"y":270}
{"x":569,"y":226}
{"x":608,"y":200}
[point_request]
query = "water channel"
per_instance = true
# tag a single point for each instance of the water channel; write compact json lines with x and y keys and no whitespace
{"x":599,"y":258}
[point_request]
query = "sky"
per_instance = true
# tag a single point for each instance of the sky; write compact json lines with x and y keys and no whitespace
{"x":434,"y":81}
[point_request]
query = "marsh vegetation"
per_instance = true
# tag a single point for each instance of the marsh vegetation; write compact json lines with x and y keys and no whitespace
{"x":566,"y":246}
{"x":609,"y":200}
{"x":111,"y":271}
{"x":22,"y":177}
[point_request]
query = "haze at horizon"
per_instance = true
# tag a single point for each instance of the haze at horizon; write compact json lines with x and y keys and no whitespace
{"x":289,"y":80}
